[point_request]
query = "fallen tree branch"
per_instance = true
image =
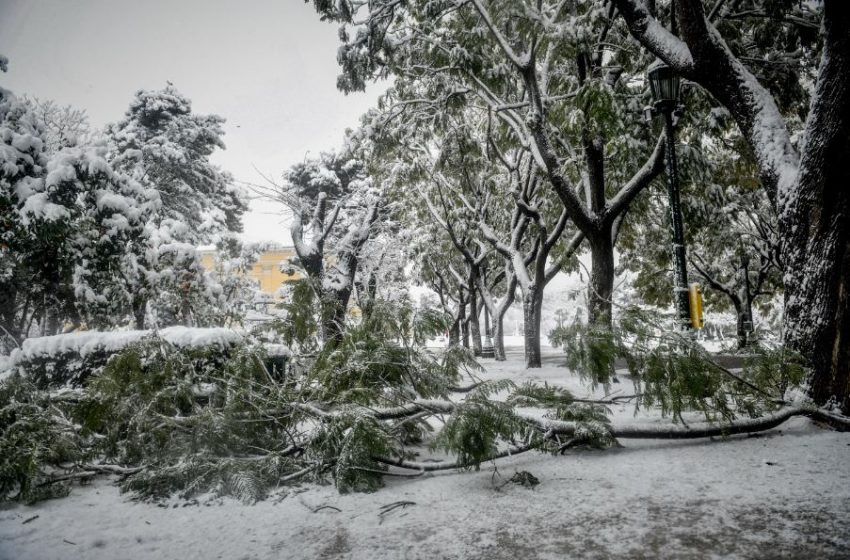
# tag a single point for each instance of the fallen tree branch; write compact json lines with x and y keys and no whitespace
{"x":420,"y":405}
{"x":69,"y":476}
{"x":389,"y":473}
{"x":609,"y":400}
{"x":693,"y":431}
{"x":298,"y":474}
{"x":835,"y":421}
{"x":113,"y":469}
{"x":698,"y":430}
{"x":448,"y":465}
{"x":467,"y":388}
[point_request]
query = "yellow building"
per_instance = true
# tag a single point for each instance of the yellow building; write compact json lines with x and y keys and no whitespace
{"x":265,"y":272}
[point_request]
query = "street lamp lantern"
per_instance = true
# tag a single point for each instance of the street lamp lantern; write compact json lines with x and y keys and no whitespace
{"x":664,"y":85}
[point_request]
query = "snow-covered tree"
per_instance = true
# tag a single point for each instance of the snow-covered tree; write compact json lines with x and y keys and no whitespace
{"x":64,"y":126}
{"x":334,"y":209}
{"x":166,"y":147}
{"x":806,"y":182}
{"x":23,"y":166}
{"x":68,"y":219}
{"x":555,"y":78}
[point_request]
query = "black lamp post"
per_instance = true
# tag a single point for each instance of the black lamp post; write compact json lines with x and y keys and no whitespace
{"x":664,"y":84}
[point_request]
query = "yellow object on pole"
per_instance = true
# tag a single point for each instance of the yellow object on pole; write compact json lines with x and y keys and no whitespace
{"x":695,"y":297}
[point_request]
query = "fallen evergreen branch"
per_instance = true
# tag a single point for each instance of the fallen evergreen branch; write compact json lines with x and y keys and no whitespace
{"x":113,"y":469}
{"x":694,"y":431}
{"x":424,"y":466}
{"x":68,"y":476}
{"x":466,"y":388}
{"x":169,"y":424}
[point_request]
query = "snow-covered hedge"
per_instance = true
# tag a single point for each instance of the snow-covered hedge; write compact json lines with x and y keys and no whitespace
{"x":68,"y":359}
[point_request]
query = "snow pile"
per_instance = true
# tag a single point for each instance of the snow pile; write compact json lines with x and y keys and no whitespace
{"x":88,"y":342}
{"x":277,"y":350}
{"x":187,"y":337}
{"x":82,"y":344}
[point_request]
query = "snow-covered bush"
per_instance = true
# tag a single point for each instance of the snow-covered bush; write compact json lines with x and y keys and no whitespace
{"x":69,"y":359}
{"x":34,"y":437}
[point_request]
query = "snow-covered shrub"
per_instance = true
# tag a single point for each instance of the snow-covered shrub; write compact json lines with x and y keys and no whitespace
{"x":34,"y":439}
{"x":69,"y":359}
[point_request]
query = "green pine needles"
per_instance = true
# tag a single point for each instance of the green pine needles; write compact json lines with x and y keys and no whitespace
{"x":35,"y":439}
{"x":673,"y":372}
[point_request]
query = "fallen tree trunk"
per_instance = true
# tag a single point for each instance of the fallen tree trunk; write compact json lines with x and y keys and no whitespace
{"x":559,"y":428}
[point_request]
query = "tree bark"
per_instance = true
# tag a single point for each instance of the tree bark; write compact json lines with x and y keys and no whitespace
{"x":140,"y":305}
{"x":464,"y":325}
{"x":333,"y":319}
{"x":532,"y":303}
{"x":8,"y":309}
{"x":474,"y":326}
{"x":186,"y":313}
{"x":499,"y":338}
{"x":740,"y":320}
{"x":815,"y":224}
{"x":601,"y":285}
{"x":454,"y":333}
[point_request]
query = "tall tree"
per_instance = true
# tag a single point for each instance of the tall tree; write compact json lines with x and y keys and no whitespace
{"x":166,"y":147}
{"x":805,"y":183}
{"x":67,"y":221}
{"x":334,"y":212}
{"x":552,"y":76}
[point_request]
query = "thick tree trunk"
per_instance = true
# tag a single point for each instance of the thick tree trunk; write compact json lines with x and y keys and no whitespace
{"x":454,"y":333}
{"x":532,"y":302}
{"x":333,"y":315}
{"x":464,"y":326}
{"x":186,"y":314}
{"x":741,"y":324}
{"x":815,"y":224}
{"x":332,"y":322}
{"x":601,"y":287}
{"x":474,"y":326}
{"x":140,"y":305}
{"x":499,"y":338}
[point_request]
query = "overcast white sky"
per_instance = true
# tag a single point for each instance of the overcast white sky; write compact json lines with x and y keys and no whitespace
{"x":268,"y":66}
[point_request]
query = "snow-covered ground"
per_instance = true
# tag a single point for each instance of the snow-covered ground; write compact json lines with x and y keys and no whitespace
{"x":784,"y":494}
